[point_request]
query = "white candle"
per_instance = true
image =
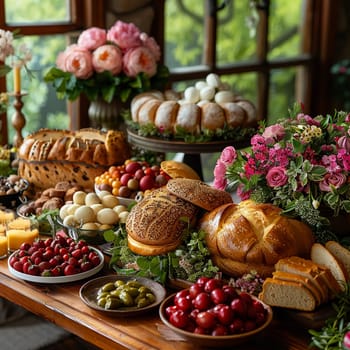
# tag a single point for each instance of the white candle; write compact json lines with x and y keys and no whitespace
{"x":17,"y":79}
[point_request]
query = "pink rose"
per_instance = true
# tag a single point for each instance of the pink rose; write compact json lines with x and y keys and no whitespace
{"x":76,"y":60}
{"x":125,"y":35}
{"x":336,"y":180}
{"x":220,"y":184}
{"x":107,"y":58}
{"x":139,"y":60}
{"x":276,"y":176}
{"x":228,"y":155}
{"x":92,"y":38}
{"x":151,"y":44}
{"x":273,"y":133}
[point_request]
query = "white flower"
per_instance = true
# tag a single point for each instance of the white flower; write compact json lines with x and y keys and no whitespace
{"x":6,"y":47}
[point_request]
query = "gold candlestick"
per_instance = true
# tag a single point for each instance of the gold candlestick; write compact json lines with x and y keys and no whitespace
{"x":18,"y":119}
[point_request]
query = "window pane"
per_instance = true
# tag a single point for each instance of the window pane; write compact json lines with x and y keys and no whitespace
{"x":284,"y":28}
{"x":183,"y":33}
{"x":236,"y":41}
{"x":41,"y":106}
{"x":37,"y":12}
{"x":282,"y":93}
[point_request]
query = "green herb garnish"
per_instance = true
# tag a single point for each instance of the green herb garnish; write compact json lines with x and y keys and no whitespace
{"x":331,"y":336}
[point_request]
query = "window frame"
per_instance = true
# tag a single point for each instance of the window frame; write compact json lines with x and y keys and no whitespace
{"x":313,"y":78}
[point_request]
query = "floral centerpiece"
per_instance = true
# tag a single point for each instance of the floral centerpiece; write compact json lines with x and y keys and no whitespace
{"x":300,"y":164}
{"x":121,"y":61}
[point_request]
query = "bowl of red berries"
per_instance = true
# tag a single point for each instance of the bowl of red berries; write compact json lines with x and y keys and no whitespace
{"x":212,"y":313}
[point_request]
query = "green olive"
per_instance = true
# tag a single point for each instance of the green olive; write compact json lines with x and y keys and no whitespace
{"x":107,"y":287}
{"x":143,"y":302}
{"x":126,"y":298}
{"x":134,"y":284}
{"x":101,"y":301}
{"x":144,"y":289}
{"x":113,"y":303}
{"x":118,"y":283}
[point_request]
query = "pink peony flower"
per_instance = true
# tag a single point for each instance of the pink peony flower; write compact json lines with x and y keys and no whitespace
{"x":228,"y":155}
{"x":243,"y":195}
{"x":107,"y":58}
{"x":151,"y":44}
{"x":336,"y":180}
{"x":220,"y":181}
{"x":92,"y":38}
{"x":276,"y":177}
{"x":76,"y":60}
{"x":139,"y":59}
{"x":125,"y":35}
{"x":273,"y":133}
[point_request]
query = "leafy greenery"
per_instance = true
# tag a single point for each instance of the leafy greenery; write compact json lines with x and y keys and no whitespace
{"x":189,"y":261}
{"x":331,"y":336}
{"x":104,"y":84}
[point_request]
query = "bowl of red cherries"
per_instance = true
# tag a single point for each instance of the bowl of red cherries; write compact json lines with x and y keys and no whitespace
{"x":212,"y":313}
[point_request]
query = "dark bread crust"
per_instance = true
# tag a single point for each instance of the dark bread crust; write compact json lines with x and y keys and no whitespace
{"x":198,"y":193}
{"x":158,"y":221}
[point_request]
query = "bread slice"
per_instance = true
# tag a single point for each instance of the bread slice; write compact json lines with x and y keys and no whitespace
{"x":287,"y":294}
{"x":306,"y":282}
{"x":315,"y":273}
{"x":321,"y":255}
{"x":341,"y":254}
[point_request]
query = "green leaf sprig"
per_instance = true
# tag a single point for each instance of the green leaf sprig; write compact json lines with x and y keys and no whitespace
{"x":331,"y":336}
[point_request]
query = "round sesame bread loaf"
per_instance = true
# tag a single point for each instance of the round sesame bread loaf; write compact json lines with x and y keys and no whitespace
{"x":155,"y":225}
{"x":199,"y":193}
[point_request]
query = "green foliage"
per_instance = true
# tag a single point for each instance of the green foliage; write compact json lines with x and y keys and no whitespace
{"x":189,"y":261}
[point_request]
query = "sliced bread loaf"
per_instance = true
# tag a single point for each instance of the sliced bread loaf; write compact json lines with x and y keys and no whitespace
{"x":287,"y":294}
{"x":341,"y":254}
{"x":322,"y":256}
{"x":315,"y":273}
{"x":305,"y":281}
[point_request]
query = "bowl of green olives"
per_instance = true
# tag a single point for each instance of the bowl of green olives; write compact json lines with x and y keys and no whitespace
{"x":119,"y":295}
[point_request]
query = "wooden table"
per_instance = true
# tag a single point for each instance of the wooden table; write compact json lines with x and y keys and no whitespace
{"x":61,"y":305}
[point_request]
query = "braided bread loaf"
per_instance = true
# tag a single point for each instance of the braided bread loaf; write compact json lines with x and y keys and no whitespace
{"x":47,"y":156}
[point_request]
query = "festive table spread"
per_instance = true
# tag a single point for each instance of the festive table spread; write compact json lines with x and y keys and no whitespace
{"x":61,"y":304}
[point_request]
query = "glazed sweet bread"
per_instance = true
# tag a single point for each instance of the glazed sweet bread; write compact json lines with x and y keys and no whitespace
{"x":253,"y":236}
{"x":47,"y":156}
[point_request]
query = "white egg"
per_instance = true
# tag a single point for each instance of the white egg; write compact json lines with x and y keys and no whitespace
{"x":107,"y":216}
{"x":92,"y":198}
{"x":207,"y":93}
{"x":79,"y":197}
{"x":120,"y":208}
{"x":123,"y":216}
{"x":85,"y":214}
{"x":213,"y":80}
{"x":72,"y":208}
{"x":70,"y":220}
{"x":191,"y":94}
{"x":97,"y":207}
{"x":109,"y":201}
{"x":200,"y":85}
{"x":64,"y":211}
{"x":224,"y":96}
{"x":103,"y":193}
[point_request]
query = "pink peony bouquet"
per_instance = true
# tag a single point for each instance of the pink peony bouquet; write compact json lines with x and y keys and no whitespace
{"x":301,"y":164}
{"x":121,"y":61}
